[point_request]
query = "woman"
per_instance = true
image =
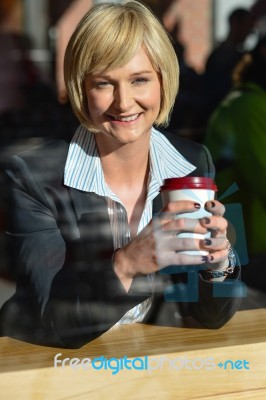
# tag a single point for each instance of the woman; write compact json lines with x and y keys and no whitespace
{"x":81,"y":216}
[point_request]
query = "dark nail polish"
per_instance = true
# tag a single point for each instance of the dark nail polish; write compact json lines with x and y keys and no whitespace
{"x":208,"y":242}
{"x":207,"y":221}
{"x":209,"y":204}
{"x":211,"y":258}
{"x":197,"y":205}
{"x":204,"y":259}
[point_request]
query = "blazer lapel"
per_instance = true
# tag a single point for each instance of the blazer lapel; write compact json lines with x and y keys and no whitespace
{"x":157,"y":205}
{"x":92,"y":218}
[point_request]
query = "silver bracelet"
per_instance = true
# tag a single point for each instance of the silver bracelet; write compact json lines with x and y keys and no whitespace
{"x":224,"y":272}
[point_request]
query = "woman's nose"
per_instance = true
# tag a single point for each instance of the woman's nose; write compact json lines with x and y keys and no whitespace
{"x":123,"y":98}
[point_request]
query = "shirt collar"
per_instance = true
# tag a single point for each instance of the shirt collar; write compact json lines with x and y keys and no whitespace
{"x":166,"y":160}
{"x":83,"y":169}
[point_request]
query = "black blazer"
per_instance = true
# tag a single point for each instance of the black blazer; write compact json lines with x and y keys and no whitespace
{"x":67,"y":292}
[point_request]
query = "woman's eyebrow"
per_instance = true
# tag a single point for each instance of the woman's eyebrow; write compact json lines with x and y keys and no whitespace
{"x":141,"y":72}
{"x":107,"y":76}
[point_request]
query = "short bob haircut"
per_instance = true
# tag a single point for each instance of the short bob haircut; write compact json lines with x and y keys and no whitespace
{"x":108,"y":37}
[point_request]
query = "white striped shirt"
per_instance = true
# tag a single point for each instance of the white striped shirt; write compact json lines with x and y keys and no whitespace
{"x":83,"y":171}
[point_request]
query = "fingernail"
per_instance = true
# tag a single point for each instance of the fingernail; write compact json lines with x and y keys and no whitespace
{"x":208,"y":242}
{"x":206,"y":221}
{"x":210,"y":258}
{"x":210,"y":204}
{"x":197,"y":205}
{"x":204,"y":259}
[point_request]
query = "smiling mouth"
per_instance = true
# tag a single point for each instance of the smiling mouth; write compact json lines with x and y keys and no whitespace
{"x":126,"y":118}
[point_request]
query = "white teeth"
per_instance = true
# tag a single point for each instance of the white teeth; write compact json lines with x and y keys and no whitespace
{"x":126,"y":119}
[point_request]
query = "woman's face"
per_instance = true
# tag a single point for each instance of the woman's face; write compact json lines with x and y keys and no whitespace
{"x":124,"y":103}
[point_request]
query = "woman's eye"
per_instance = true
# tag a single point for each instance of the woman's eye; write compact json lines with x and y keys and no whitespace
{"x":102,"y":84}
{"x":141,"y":80}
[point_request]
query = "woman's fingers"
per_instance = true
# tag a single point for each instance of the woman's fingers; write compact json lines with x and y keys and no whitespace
{"x":214,"y":224}
{"x":170,"y":243}
{"x":211,"y":245}
{"x":180,"y":225}
{"x":215,"y":244}
{"x":172,"y":209}
{"x":160,"y":244}
{"x":173,"y":258}
{"x":181,"y":206}
{"x":215,"y":207}
{"x":218,"y":248}
{"x":218,"y":256}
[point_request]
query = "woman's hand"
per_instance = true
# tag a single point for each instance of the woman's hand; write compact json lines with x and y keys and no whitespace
{"x":157,"y":246}
{"x":218,"y":244}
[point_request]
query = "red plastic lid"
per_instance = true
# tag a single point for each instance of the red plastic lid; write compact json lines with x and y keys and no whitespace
{"x":189,"y":182}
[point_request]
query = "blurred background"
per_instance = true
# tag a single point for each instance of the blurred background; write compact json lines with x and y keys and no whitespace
{"x":210,"y":38}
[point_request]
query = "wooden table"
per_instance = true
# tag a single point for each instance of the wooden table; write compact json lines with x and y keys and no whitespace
{"x":178,"y":356}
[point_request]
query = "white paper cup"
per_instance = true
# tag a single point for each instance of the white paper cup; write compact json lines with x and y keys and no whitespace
{"x":196,"y":189}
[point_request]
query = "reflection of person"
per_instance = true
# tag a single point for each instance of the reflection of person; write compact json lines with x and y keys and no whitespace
{"x":81,"y":217}
{"x":65,"y":27}
{"x":237,"y":140}
{"x":18,"y":73}
{"x":226,"y":55}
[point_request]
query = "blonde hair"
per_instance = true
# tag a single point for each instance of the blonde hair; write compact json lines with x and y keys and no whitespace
{"x":108,"y":37}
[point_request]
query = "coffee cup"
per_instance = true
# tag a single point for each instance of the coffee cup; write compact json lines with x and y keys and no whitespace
{"x":196,"y":189}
